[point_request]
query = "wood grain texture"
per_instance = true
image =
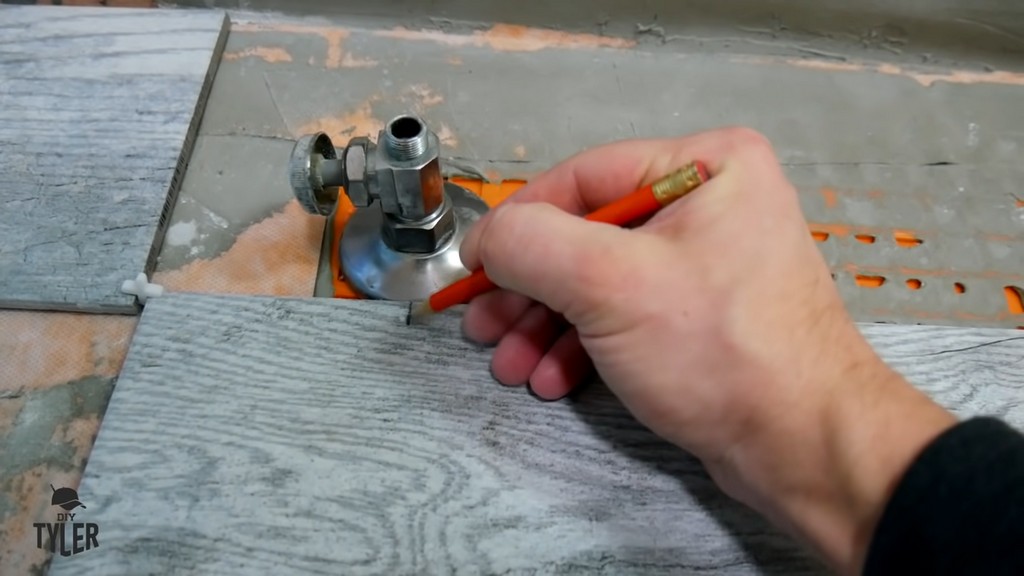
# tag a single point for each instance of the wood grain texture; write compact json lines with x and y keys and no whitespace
{"x":98,"y":110}
{"x":261,"y":435}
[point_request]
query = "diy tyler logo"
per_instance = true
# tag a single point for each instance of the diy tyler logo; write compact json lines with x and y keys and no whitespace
{"x":83,"y":535}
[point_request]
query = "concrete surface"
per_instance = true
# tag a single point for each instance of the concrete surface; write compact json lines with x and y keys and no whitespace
{"x":888,"y":133}
{"x":878,"y":150}
{"x":963,"y":33}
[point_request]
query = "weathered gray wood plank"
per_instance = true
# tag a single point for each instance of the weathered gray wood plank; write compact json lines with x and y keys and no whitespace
{"x":98,"y":110}
{"x":255,"y":435}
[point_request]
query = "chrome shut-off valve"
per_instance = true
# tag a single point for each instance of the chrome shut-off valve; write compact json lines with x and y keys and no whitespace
{"x":402,"y":242}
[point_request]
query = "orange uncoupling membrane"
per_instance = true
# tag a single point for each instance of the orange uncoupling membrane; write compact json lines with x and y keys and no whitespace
{"x":494,"y":193}
{"x":1014,"y":299}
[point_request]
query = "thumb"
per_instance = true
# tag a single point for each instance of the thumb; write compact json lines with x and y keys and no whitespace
{"x":570,"y":264}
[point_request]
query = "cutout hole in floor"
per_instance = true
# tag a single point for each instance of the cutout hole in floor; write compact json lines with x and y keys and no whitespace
{"x":959,"y":288}
{"x":865,"y":238}
{"x":1014,"y":299}
{"x":914,"y":284}
{"x":865,"y":281}
{"x":819,"y":236}
{"x":906,"y":239}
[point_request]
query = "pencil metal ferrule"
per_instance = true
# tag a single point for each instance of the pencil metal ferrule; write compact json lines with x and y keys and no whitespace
{"x":677,"y":184}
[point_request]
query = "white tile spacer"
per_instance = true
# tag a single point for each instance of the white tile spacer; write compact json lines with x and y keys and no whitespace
{"x":141,"y":288}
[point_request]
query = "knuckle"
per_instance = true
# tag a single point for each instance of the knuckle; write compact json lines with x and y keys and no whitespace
{"x":469,"y":249}
{"x":598,"y":273}
{"x":596,"y":280}
{"x":490,"y":239}
{"x":744,"y":136}
{"x":747,"y":139}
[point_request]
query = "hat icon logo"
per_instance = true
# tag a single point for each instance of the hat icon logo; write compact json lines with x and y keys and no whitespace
{"x":66,"y":498}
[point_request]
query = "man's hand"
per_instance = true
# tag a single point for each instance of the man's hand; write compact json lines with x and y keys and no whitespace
{"x":717,"y":323}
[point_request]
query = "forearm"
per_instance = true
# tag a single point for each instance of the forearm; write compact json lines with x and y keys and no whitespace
{"x":825,"y":473}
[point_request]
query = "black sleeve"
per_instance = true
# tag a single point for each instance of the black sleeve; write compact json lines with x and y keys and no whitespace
{"x":959,"y":509}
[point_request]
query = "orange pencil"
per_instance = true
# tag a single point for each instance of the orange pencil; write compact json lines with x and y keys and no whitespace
{"x":644,"y":202}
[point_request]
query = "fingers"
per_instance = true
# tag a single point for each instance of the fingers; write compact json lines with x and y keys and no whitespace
{"x":562,"y":369}
{"x":523,"y":347}
{"x":561,"y":260}
{"x":538,"y":249}
{"x":491,"y":315}
{"x":598,"y":176}
{"x":527,"y":355}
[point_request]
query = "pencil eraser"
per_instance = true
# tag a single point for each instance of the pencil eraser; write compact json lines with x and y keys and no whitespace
{"x":702,"y":171}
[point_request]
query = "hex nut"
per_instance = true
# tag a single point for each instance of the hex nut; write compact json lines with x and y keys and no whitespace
{"x":357,"y":174}
{"x":420,"y":188}
{"x":411,"y":189}
{"x":421,"y":237}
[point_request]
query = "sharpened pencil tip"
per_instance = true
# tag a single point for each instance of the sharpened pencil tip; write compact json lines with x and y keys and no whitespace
{"x":418,"y":311}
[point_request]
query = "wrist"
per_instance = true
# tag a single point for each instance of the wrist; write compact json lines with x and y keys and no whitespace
{"x":874,"y":436}
{"x":826,"y":470}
